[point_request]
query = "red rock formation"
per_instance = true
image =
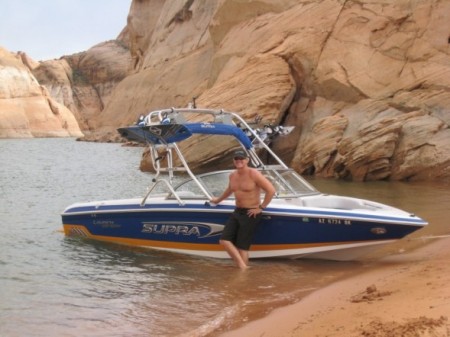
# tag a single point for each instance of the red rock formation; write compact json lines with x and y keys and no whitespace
{"x":357,"y":79}
{"x":26,"y":108}
{"x":367,"y":84}
{"x":85,"y":81}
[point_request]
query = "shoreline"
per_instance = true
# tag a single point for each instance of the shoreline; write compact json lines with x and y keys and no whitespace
{"x":405,"y":294}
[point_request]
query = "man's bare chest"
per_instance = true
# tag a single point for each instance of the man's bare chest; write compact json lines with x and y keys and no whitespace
{"x":243,"y":184}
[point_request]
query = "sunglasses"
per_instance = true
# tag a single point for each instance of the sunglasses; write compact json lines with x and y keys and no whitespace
{"x":239,"y":158}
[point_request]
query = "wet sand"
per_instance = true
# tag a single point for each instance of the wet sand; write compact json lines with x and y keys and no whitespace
{"x":404,"y":295}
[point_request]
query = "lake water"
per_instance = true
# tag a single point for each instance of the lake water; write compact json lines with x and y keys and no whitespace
{"x":52,"y":285}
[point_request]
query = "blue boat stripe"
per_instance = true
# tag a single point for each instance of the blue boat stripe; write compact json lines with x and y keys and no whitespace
{"x":221,"y":209}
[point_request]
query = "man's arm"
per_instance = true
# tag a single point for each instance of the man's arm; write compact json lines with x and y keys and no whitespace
{"x":266,"y":186}
{"x":224,"y":195}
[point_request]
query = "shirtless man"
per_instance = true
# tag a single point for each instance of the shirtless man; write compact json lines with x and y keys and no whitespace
{"x":246,"y":183}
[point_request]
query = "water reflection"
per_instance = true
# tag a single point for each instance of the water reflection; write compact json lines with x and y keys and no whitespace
{"x":161,"y":289}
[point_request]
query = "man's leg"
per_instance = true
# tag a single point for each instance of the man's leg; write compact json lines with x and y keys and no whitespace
{"x":234,"y":253}
{"x":245,"y":235}
{"x":244,"y":255}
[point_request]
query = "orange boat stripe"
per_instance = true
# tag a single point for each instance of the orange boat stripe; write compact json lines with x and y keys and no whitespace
{"x":80,"y":230}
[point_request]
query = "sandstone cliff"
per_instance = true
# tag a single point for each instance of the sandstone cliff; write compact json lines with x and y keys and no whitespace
{"x":26,"y":108}
{"x":59,"y":98}
{"x":366,"y":83}
{"x":84,"y":82}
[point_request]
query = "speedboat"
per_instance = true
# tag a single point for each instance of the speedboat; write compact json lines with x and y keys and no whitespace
{"x":177,"y":215}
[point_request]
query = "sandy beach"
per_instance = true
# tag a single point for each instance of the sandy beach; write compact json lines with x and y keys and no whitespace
{"x":405,"y":295}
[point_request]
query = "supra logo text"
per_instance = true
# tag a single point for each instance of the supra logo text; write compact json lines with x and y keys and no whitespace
{"x":199,"y":229}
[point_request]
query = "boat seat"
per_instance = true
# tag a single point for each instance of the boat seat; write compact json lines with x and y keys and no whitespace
{"x":333,"y":202}
{"x":183,"y":194}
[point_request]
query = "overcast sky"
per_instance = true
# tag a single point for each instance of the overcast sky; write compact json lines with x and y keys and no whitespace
{"x":48,"y":29}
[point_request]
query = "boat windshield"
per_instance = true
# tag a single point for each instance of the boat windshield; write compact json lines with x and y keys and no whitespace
{"x":286,"y":182}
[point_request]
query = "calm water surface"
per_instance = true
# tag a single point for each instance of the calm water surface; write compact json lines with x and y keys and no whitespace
{"x":51,"y":285}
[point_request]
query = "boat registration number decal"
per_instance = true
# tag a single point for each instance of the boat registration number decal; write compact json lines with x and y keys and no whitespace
{"x":334,"y":221}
